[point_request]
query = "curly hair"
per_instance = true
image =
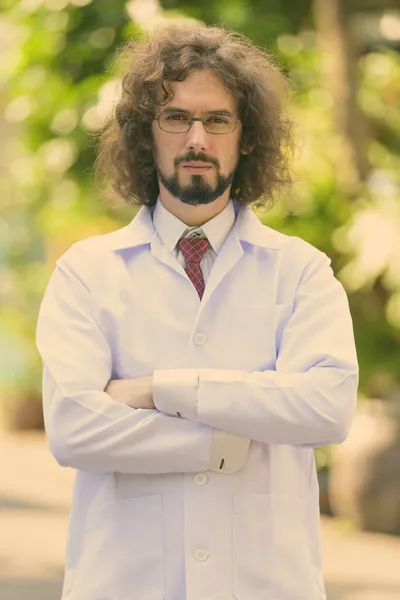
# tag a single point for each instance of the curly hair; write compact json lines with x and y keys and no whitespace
{"x":125,"y":154}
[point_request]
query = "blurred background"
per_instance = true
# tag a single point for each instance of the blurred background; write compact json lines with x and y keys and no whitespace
{"x":57,"y":87}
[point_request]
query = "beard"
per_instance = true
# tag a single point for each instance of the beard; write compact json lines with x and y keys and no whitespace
{"x":198,"y":191}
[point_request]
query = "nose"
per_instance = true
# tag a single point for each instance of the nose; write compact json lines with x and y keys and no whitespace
{"x":197,"y":137}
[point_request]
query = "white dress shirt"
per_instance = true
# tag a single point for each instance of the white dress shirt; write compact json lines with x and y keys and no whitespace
{"x":170,"y":230}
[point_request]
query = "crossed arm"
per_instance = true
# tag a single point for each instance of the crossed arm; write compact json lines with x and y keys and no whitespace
{"x":307,"y":400}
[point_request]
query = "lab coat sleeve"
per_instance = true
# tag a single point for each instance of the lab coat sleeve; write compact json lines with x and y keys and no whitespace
{"x":86,"y":428}
{"x":308,"y":400}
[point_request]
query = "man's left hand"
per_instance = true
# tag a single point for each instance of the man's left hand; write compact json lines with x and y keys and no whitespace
{"x":137,"y":393}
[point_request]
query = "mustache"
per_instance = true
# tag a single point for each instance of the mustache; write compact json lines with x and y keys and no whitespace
{"x":194,"y":156}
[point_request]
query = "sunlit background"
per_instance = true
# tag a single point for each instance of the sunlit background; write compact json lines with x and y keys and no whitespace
{"x":58,"y":85}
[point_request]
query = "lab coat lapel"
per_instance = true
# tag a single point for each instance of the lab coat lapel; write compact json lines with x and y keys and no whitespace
{"x":247,"y":229}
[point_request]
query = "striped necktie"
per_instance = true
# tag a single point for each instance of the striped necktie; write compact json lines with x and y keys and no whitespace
{"x":193,"y":251}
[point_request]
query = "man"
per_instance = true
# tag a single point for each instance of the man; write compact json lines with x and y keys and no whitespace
{"x":193,"y":359}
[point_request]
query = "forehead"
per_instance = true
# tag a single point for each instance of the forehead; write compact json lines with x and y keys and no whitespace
{"x":202,"y":91}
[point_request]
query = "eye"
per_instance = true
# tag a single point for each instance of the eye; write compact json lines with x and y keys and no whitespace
{"x":176,"y":117}
{"x":215,"y":119}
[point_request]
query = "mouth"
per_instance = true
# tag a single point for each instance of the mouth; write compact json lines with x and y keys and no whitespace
{"x":196,"y":168}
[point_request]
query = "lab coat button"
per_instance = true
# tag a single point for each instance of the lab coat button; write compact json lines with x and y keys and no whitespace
{"x":201,"y":479}
{"x":200,"y":339}
{"x":201,"y":554}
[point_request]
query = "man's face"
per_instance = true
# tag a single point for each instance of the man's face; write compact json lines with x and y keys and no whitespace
{"x":213,"y":158}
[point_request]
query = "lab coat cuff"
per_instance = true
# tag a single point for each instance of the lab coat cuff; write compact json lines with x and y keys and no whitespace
{"x":175,"y":392}
{"x":229,"y":452}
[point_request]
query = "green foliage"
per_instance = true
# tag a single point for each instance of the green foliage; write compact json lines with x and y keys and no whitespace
{"x":360,"y":236}
{"x":260,"y":20}
{"x":60,"y":60}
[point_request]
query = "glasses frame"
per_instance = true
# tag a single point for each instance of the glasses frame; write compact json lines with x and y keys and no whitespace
{"x":202,"y":119}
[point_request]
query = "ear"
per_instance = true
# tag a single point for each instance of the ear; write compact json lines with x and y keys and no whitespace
{"x":247,"y":150}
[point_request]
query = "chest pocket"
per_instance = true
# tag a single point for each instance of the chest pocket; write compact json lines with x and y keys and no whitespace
{"x":250,"y":334}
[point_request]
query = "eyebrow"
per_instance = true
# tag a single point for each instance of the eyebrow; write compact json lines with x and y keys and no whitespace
{"x":220,"y":111}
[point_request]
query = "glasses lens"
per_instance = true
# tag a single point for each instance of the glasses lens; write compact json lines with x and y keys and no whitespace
{"x":174,"y":122}
{"x":220,"y":123}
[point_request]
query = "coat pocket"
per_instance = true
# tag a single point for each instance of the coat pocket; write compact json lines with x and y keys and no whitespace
{"x":123,"y":551}
{"x":272,"y":553}
{"x":255,"y":333}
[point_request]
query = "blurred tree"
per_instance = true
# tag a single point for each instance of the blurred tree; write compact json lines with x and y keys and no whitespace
{"x":59,"y":88}
{"x":341,"y":76}
{"x":376,"y":328}
{"x":261,"y":20}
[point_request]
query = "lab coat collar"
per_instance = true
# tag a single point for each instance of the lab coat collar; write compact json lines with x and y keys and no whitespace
{"x":247,"y":228}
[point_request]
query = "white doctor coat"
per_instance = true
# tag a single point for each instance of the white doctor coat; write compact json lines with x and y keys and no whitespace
{"x":221,"y":503}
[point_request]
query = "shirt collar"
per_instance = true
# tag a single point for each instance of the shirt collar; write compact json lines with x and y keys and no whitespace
{"x":170,"y":229}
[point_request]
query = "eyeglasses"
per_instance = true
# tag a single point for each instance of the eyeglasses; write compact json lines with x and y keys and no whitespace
{"x":178,"y":122}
